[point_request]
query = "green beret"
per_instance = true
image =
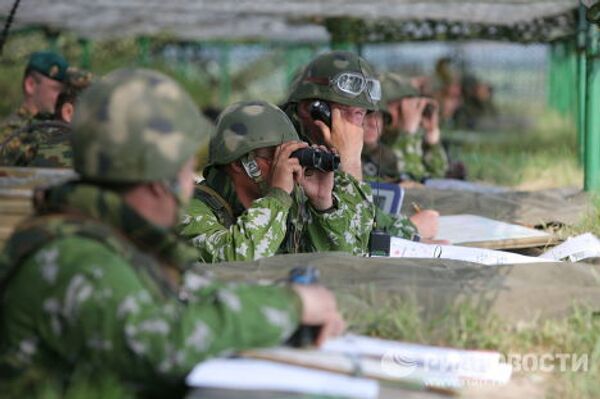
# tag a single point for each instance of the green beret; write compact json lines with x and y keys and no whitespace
{"x":49,"y":64}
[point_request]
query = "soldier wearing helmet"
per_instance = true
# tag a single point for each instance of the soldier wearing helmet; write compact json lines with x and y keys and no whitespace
{"x":345,"y":83}
{"x":383,"y":161}
{"x":98,"y":279}
{"x":413,"y":130}
{"x":257,"y":200}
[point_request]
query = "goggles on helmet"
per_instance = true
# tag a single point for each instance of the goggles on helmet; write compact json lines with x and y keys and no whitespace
{"x":352,"y":84}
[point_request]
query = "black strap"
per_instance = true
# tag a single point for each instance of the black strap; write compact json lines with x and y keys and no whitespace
{"x":216,"y":203}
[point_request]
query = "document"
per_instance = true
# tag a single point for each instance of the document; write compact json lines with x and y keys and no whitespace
{"x":401,"y":248}
{"x":575,"y":249}
{"x":461,"y":229}
{"x":251,"y":374}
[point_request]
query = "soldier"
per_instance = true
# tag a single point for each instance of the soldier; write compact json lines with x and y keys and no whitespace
{"x":347,"y":84}
{"x":420,"y":155}
{"x":379,"y":162}
{"x":99,"y":280}
{"x":46,"y":141}
{"x":257,"y":200}
{"x":43,"y":80}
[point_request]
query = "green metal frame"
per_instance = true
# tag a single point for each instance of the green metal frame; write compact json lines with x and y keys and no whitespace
{"x":581,"y":82}
{"x":592,"y":112}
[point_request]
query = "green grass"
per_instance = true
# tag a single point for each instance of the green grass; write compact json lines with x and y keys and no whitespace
{"x":543,"y":157}
{"x":464,"y":326}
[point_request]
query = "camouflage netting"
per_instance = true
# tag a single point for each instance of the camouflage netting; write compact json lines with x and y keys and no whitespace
{"x":312,"y":20}
{"x":513,"y":292}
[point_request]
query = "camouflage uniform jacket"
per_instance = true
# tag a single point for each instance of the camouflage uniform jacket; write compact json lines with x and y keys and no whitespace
{"x":44,"y":144}
{"x":90,"y":282}
{"x":361,"y":207}
{"x":366,"y":214}
{"x":219,"y":226}
{"x":15,"y":121}
{"x":418,"y":159}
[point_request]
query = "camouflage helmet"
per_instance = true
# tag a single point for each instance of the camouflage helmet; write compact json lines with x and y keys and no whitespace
{"x":316,"y":80}
{"x":136,"y":125}
{"x":396,"y":87}
{"x":246,"y":126}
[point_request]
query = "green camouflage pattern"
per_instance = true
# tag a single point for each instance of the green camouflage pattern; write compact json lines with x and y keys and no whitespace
{"x":136,"y":125}
{"x":276,"y":223}
{"x":246,"y":126}
{"x":18,"y":120}
{"x":418,"y":159}
{"x":90,"y":283}
{"x":325,"y":67}
{"x":356,"y":197}
{"x":44,"y":144}
{"x":396,"y":225}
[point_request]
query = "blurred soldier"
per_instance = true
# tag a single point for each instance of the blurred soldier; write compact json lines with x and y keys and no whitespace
{"x":348,"y":86}
{"x":414,"y":130}
{"x":477,"y":110}
{"x":379,"y":162}
{"x":44,"y":79}
{"x":46,"y":141}
{"x":98,"y":279}
{"x":257,"y":200}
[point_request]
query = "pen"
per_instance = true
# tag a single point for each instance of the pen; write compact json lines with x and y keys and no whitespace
{"x":416,"y":207}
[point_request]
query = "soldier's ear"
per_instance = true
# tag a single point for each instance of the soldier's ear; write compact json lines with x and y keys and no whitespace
{"x":29,"y":84}
{"x":66,"y":112}
{"x":237,"y":168}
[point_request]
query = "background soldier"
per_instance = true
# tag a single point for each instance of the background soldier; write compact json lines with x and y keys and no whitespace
{"x":46,"y":141}
{"x":413,"y":130}
{"x":43,"y":80}
{"x":99,"y":281}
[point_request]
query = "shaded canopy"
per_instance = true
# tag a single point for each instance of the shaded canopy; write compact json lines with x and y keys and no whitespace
{"x":304,"y":20}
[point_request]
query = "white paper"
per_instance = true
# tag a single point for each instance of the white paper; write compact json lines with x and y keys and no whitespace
{"x":464,"y":363}
{"x":459,"y":229}
{"x":401,"y":248}
{"x":575,"y":249}
{"x":249,"y":374}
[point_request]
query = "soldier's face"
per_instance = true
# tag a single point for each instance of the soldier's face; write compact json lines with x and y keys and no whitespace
{"x":43,"y":92}
{"x":186,"y":179}
{"x":354,"y":115}
{"x":373,"y":126}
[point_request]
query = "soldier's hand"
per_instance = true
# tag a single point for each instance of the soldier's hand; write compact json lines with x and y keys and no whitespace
{"x":284,"y":169}
{"x":431,"y":124}
{"x":411,"y":112}
{"x":426,"y":222}
{"x":319,"y":308}
{"x":318,"y":186}
{"x":347,"y":139}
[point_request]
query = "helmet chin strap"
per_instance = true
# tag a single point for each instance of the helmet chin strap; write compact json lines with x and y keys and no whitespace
{"x":253,"y":171}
